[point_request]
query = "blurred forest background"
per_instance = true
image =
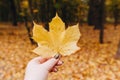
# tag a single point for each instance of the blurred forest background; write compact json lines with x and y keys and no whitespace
{"x":70,"y":11}
{"x":92,"y":12}
{"x":99,"y":22}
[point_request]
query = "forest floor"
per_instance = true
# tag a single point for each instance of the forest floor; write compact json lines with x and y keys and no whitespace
{"x":94,"y":61}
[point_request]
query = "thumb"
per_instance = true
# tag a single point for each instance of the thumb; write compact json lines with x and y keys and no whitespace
{"x":50,"y":63}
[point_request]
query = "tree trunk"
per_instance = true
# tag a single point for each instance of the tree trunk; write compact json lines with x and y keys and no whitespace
{"x":101,"y":36}
{"x":91,"y":12}
{"x":28,"y":30}
{"x":96,"y":16}
{"x":30,"y":6}
{"x":96,"y":13}
{"x":116,"y":15}
{"x":13,"y":12}
{"x":117,"y":56}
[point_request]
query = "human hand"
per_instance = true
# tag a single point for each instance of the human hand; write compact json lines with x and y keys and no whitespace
{"x":38,"y":68}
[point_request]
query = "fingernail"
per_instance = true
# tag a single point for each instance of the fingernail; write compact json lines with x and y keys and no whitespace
{"x":57,"y":56}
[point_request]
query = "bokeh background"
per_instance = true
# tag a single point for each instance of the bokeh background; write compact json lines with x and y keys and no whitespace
{"x":99,"y":23}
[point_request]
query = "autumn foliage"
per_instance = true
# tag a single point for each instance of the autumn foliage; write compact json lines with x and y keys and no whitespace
{"x":93,"y":61}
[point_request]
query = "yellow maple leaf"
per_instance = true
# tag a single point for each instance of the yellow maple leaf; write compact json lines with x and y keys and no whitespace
{"x":57,"y":40}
